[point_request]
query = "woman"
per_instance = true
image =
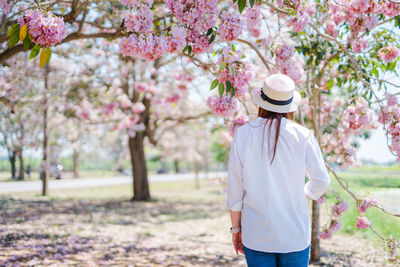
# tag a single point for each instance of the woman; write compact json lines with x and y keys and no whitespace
{"x":266,"y":191}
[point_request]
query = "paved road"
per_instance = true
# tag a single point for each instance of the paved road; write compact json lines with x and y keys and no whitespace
{"x":10,"y":187}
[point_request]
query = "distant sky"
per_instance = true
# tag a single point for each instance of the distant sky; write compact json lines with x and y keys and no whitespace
{"x":375,"y":148}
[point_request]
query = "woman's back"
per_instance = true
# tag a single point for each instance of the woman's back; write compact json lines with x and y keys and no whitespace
{"x":272,"y":196}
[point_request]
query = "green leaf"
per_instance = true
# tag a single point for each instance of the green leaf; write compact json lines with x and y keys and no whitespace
{"x":27,"y":43}
{"x":232,"y":92}
{"x":233,"y":48}
{"x":251,"y":3}
{"x":185,"y":49}
{"x":234,"y":1}
{"x":190,"y":49}
{"x":35,"y":51}
{"x":329,"y":85}
{"x":212,"y":38}
{"x":228,"y":86}
{"x":241,"y":5}
{"x":221,"y":89}
{"x":12,"y":30}
{"x":48,"y":50}
{"x":231,"y":72}
{"x":214,"y":84}
{"x":222,"y":66}
{"x":14,"y":39}
{"x":210,"y":31}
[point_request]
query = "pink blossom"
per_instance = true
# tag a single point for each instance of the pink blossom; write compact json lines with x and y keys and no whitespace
{"x":5,"y":6}
{"x":177,"y":39}
{"x":359,"y":45}
{"x":147,"y":46}
{"x":140,"y":21}
{"x":331,"y":29}
{"x":124,"y":101}
{"x":325,"y":234}
{"x":335,"y":225}
{"x":46,"y":30}
{"x":283,"y":52}
{"x":235,"y":70}
{"x":230,"y":27}
{"x":236,"y":123}
{"x":366,"y":202}
{"x":253,"y":20}
{"x":339,"y":208}
{"x":138,"y":108}
{"x":362,"y":222}
{"x":388,"y":54}
{"x":370,"y":22}
{"x":173,"y":98}
{"x":222,"y":106}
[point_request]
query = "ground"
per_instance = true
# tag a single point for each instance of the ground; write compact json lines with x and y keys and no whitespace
{"x":102,"y":227}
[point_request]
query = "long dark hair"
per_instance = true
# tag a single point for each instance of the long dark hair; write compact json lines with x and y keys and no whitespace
{"x":271,"y":116}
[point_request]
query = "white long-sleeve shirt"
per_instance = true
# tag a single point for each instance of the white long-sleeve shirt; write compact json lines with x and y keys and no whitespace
{"x":272,"y":198}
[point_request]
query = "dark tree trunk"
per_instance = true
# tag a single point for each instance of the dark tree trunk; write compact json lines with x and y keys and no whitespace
{"x":139,"y":169}
{"x":45,"y":165}
{"x":75,"y":162}
{"x":315,"y":249}
{"x":21,"y":171}
{"x":176,"y":166}
{"x":12,"y":158}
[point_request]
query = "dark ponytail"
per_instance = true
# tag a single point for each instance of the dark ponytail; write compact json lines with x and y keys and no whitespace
{"x":271,"y":116}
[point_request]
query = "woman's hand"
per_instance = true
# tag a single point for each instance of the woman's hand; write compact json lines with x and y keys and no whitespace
{"x":237,"y":243}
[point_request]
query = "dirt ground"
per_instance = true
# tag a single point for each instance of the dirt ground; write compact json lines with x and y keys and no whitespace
{"x":100,"y":228}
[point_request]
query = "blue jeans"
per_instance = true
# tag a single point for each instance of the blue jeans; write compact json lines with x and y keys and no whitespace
{"x":256,"y":258}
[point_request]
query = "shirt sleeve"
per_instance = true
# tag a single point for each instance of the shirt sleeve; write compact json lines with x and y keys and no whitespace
{"x":235,"y":190}
{"x":315,"y":169}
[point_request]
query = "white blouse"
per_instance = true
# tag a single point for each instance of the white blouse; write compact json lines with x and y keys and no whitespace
{"x":272,"y":198}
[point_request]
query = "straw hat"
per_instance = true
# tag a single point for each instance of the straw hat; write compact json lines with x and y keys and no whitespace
{"x":278,"y":94}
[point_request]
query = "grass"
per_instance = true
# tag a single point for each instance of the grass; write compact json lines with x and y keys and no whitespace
{"x":378,"y":184}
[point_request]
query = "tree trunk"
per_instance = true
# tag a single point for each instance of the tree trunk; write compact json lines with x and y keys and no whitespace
{"x":139,"y":169}
{"x":75,"y":162}
{"x":21,"y":172}
{"x":315,"y":249}
{"x":176,"y":166}
{"x":45,"y":165}
{"x":11,"y":157}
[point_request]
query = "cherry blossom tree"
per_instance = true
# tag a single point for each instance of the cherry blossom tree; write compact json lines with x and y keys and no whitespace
{"x":339,"y":53}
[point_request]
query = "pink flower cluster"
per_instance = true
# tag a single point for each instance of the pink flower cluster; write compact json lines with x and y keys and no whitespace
{"x":197,"y":17}
{"x":365,"y":203}
{"x":362,"y":222}
{"x":339,"y":208}
{"x":131,"y":125}
{"x":45,"y":29}
{"x":230,"y":27}
{"x":222,"y":106}
{"x":136,"y":3}
{"x":147,"y":47}
{"x":388,"y":54}
{"x":358,"y":117}
{"x":235,"y":71}
{"x":177,"y":39}
{"x":138,"y":108}
{"x":253,"y":20}
{"x":359,"y":45}
{"x":304,"y":12}
{"x":327,"y":233}
{"x":140,"y":21}
{"x":236,"y":122}
{"x":289,"y":64}
{"x":390,"y":117}
{"x":5,"y":6}
{"x":360,"y":14}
